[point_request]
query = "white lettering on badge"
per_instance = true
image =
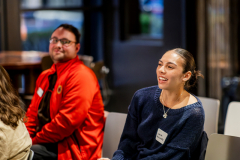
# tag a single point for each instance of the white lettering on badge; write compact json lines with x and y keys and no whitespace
{"x":40,"y":92}
{"x":161,"y":136}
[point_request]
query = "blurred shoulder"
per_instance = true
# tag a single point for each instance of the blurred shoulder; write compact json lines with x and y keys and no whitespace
{"x":78,"y":69}
{"x":196,"y":108}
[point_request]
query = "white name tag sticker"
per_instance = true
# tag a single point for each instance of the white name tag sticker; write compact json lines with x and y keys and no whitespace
{"x":40,"y":92}
{"x":161,"y":136}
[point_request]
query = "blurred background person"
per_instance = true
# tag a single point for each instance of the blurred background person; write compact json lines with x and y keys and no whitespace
{"x":15,"y":141}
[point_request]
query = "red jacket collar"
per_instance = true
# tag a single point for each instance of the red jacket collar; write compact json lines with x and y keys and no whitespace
{"x":63,"y":66}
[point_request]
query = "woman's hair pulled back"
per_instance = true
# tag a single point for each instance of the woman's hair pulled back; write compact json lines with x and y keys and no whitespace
{"x":189,"y":65}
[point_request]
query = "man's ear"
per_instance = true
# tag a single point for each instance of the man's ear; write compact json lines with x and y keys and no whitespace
{"x":78,"y":46}
{"x":187,"y":76}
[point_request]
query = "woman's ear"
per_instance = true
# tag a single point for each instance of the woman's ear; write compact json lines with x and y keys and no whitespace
{"x":187,"y":76}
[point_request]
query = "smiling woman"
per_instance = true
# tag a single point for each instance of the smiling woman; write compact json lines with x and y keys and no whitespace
{"x":176,"y":71}
{"x":165,"y":121}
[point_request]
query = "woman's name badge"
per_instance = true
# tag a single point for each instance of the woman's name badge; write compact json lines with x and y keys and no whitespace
{"x":40,"y":92}
{"x":161,"y":136}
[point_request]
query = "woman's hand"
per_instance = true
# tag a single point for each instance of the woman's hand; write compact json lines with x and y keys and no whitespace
{"x":103,"y":158}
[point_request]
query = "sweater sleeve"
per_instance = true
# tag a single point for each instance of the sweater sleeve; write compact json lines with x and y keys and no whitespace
{"x":129,"y":141}
{"x":78,"y":97}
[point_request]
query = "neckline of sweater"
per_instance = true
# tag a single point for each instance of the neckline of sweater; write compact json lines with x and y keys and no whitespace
{"x":175,"y":111}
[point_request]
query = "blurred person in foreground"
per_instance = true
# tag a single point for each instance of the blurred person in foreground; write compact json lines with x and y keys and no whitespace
{"x":15,"y":141}
{"x":165,"y":121}
{"x":66,"y":114}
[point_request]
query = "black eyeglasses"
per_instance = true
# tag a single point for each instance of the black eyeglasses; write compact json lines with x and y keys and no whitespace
{"x":64,"y":42}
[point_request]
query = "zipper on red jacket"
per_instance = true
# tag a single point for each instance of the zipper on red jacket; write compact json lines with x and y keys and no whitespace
{"x":75,"y":137}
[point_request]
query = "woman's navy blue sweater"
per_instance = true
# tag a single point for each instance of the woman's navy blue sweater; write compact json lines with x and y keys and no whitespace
{"x":149,"y":136}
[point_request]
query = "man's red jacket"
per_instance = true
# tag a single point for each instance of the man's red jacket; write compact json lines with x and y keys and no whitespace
{"x":76,"y":111}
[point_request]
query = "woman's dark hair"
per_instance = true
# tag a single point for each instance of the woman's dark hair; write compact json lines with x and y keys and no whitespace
{"x":10,"y":104}
{"x":188,"y":65}
{"x":72,"y":29}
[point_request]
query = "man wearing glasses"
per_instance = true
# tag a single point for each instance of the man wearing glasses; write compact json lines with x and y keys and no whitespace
{"x":66,"y":115}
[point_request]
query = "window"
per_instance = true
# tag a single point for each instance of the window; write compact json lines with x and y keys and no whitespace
{"x":144,"y":22}
{"x":151,"y":18}
{"x":37,"y":26}
{"x":27,"y":4}
{"x":40,"y":17}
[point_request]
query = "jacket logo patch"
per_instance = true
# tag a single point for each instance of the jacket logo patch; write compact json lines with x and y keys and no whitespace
{"x":59,"y":89}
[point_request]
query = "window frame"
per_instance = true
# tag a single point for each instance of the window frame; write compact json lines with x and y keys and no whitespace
{"x":125,"y":27}
{"x":10,"y":22}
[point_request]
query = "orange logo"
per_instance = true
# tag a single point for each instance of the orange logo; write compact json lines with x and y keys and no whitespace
{"x":59,"y":89}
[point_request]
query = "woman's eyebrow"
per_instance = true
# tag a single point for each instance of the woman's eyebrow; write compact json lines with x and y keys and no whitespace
{"x":168,"y":62}
{"x":172,"y":63}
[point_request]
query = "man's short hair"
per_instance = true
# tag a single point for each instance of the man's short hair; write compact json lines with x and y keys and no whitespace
{"x":72,"y":29}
